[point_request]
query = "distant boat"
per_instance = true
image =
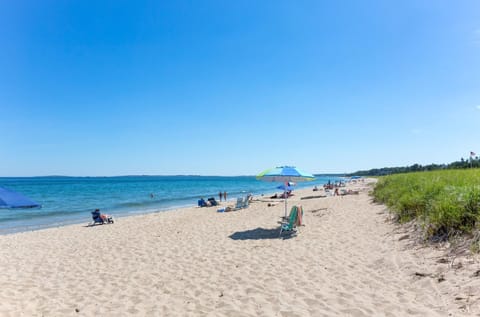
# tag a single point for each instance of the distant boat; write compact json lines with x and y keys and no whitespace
{"x":12,"y":199}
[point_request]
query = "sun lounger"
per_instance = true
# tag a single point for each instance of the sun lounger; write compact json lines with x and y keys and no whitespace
{"x":101,"y":219}
{"x":246,"y":202}
{"x":239,"y":204}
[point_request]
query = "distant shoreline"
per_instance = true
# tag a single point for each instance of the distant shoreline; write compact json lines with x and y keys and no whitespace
{"x":166,"y":175}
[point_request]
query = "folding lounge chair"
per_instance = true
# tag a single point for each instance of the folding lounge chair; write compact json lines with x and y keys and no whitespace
{"x":212,"y":201}
{"x":239,"y":204}
{"x":245,"y":202}
{"x":292,"y":221}
{"x":101,"y":219}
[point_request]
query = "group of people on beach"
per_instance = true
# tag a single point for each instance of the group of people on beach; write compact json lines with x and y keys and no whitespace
{"x":220,"y":195}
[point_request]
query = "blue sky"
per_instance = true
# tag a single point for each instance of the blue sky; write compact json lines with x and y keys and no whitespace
{"x":235,"y":87}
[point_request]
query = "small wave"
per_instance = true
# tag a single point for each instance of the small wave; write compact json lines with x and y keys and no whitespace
{"x":132,"y":204}
{"x":38,"y":214}
{"x":158,"y":202}
{"x":142,"y":203}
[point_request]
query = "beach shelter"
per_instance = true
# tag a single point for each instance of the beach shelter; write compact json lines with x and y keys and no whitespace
{"x":11,"y":199}
{"x":285,"y":174}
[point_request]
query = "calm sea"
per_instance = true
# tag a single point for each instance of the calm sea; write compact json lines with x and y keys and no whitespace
{"x":68,"y":200}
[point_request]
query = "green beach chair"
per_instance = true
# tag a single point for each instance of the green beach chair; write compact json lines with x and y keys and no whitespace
{"x":292,"y":221}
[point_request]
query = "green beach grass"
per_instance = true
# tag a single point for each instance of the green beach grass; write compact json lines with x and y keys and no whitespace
{"x":446,"y":202}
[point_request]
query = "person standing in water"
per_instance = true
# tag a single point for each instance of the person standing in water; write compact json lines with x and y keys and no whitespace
{"x":225,"y":196}
{"x":220,"y":196}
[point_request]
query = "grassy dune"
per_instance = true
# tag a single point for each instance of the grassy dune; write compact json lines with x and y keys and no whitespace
{"x":447,"y":202}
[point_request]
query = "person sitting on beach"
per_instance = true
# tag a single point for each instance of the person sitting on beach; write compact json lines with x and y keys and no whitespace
{"x":286,"y":194}
{"x":282,"y":195}
{"x":315,"y":188}
{"x":97,"y":216}
{"x":274,"y":196}
{"x":202,"y":203}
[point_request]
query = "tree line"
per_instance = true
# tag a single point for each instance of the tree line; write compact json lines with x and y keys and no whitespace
{"x":473,"y":162}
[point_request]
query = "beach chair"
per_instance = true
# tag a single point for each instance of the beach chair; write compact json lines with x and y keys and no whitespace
{"x":291,"y":223}
{"x":101,"y":219}
{"x":245,"y":202}
{"x":239,"y":204}
{"x":212,"y":201}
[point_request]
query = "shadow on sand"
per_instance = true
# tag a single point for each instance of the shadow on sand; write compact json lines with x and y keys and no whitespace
{"x":260,"y":233}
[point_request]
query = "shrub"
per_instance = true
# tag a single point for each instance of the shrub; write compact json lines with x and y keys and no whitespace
{"x":447,"y":201}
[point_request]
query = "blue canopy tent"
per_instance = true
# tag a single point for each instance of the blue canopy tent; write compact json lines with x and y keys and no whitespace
{"x":11,"y":199}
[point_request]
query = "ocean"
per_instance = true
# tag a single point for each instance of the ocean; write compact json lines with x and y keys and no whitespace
{"x":69,"y":200}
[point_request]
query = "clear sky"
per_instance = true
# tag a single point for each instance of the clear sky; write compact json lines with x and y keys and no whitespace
{"x":235,"y":87}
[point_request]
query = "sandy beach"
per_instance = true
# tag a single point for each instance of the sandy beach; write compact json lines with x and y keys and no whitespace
{"x":348,"y":259}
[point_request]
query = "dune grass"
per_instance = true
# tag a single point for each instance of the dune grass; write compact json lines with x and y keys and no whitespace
{"x":446,"y":202}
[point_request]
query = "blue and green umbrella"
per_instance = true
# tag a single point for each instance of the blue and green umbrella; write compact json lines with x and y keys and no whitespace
{"x":285,"y":174}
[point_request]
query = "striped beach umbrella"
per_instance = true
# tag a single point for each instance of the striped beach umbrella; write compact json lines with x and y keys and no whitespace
{"x":285,"y":174}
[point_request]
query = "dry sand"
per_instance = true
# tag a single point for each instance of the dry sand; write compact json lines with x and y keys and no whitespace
{"x":348,"y":260}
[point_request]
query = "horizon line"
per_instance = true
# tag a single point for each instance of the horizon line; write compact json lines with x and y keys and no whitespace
{"x":149,"y":175}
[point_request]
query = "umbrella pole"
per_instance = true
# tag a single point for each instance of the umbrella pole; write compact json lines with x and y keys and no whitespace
{"x":285,"y":195}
